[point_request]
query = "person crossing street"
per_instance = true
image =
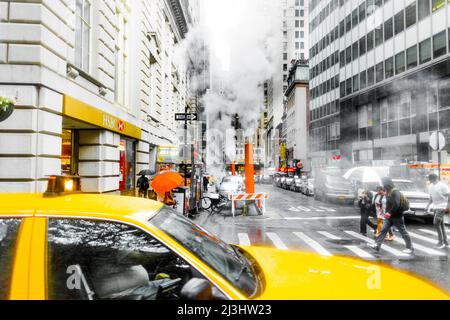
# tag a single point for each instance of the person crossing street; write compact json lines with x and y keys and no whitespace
{"x":396,"y":205}
{"x":379,"y":202}
{"x":439,"y":193}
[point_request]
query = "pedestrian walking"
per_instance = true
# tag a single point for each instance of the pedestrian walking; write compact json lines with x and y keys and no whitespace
{"x":205,"y":183}
{"x":379,"y":202}
{"x":396,"y":205}
{"x":143,"y":185}
{"x":365,"y":205}
{"x":439,"y":193}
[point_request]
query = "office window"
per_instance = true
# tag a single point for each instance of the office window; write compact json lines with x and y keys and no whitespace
{"x":355,"y":83}
{"x":297,"y":23}
{"x":410,"y":15}
{"x":411,"y":57}
{"x":400,"y":62}
{"x":355,"y":50}
{"x":379,"y":72}
{"x":437,"y":4}
{"x":423,"y":9}
{"x":425,"y":51}
{"x":370,"y":40}
{"x":362,"y":80}
{"x":379,"y":35}
{"x":444,"y":94}
{"x":348,"y":55}
{"x":439,"y":44}
{"x":342,"y":28}
{"x":348,"y":86}
{"x":362,"y":46}
{"x":342,"y":59}
{"x":362,"y":12}
{"x":355,"y":18}
{"x":83,"y":34}
{"x":348,"y":23}
{"x":342,"y":89}
{"x":389,"y":68}
{"x":399,"y":22}
{"x":370,"y":76}
{"x":388,"y":29}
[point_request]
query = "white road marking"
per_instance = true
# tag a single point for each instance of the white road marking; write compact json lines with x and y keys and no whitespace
{"x":360,"y":252}
{"x":422,"y":248}
{"x":434,"y":233}
{"x":279,"y":244}
{"x":301,"y":208}
{"x":313,"y":244}
{"x":418,"y":236}
{"x":393,"y":251}
{"x":316,"y":209}
{"x":324,"y":218}
{"x":244,"y":240}
{"x":329,"y":235}
{"x":327,"y":209}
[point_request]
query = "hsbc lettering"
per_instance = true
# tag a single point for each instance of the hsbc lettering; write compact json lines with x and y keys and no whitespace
{"x":109,"y":122}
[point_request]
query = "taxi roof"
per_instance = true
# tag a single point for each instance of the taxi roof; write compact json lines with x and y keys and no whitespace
{"x":95,"y":205}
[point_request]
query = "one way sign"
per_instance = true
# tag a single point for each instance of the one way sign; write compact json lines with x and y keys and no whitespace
{"x":186,"y":117}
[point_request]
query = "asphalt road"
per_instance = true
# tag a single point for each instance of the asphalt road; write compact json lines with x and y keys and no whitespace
{"x":294,"y":221}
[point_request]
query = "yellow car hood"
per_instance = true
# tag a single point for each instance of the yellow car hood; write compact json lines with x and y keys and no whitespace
{"x":293,"y":275}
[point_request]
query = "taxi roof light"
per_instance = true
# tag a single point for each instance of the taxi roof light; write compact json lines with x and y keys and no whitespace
{"x":60,"y":185}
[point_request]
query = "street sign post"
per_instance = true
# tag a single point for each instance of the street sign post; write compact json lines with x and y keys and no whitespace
{"x":186,"y":117}
{"x":437,"y":143}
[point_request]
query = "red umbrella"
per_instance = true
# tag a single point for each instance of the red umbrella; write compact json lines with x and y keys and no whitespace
{"x":166,"y":182}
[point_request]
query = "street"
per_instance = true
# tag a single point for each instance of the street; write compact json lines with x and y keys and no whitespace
{"x":294,"y":221}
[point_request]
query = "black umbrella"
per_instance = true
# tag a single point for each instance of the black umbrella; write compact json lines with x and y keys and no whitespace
{"x":147,"y":173}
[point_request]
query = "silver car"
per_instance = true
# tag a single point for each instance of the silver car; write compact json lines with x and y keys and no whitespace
{"x":418,"y":199}
{"x":231,"y":185}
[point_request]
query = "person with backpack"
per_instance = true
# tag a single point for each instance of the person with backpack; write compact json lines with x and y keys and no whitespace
{"x":379,"y":202}
{"x":143,"y":185}
{"x":365,"y":205}
{"x":396,"y":205}
{"x":439,"y":193}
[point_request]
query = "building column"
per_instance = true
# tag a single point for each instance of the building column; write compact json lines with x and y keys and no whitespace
{"x":30,"y":140}
{"x":99,"y":157}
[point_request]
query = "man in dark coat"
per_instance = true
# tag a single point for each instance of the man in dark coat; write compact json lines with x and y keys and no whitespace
{"x":393,"y":217}
{"x":365,"y":204}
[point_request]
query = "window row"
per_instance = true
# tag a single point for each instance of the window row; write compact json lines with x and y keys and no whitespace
{"x":326,"y":110}
{"x":427,"y":50}
{"x":325,"y":87}
{"x":416,"y":11}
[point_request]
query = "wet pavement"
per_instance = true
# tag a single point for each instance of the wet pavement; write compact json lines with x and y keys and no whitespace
{"x":297,"y":222}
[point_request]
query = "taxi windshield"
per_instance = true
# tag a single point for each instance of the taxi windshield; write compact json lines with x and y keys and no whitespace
{"x":225,"y":259}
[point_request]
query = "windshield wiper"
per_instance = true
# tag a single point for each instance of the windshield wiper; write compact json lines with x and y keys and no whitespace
{"x":241,"y":272}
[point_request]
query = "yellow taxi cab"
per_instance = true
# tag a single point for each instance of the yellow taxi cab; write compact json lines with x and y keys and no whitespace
{"x":76,"y":246}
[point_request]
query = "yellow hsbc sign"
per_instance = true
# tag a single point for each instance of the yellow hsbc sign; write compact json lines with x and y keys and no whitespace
{"x":82,"y":111}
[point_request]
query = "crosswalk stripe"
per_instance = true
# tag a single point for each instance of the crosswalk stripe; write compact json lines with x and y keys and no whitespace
{"x":301,"y":208}
{"x":316,"y":209}
{"x":324,"y":218}
{"x":329,"y":235}
{"x":244,"y":240}
{"x":422,"y":248}
{"x":360,"y":252}
{"x":393,"y":251}
{"x":313,"y":244}
{"x":434,"y":233}
{"x":418,"y":236}
{"x":279,"y":244}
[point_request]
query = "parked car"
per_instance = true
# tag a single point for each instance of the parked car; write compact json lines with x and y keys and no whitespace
{"x":288,"y":182}
{"x":277,"y":179}
{"x":266,"y":179}
{"x":308,"y":187}
{"x":231,"y":184}
{"x":333,"y":188}
{"x":418,"y":199}
{"x":282,"y":181}
{"x":298,"y":184}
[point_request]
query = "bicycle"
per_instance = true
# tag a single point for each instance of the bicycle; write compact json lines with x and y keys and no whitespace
{"x":215,"y":203}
